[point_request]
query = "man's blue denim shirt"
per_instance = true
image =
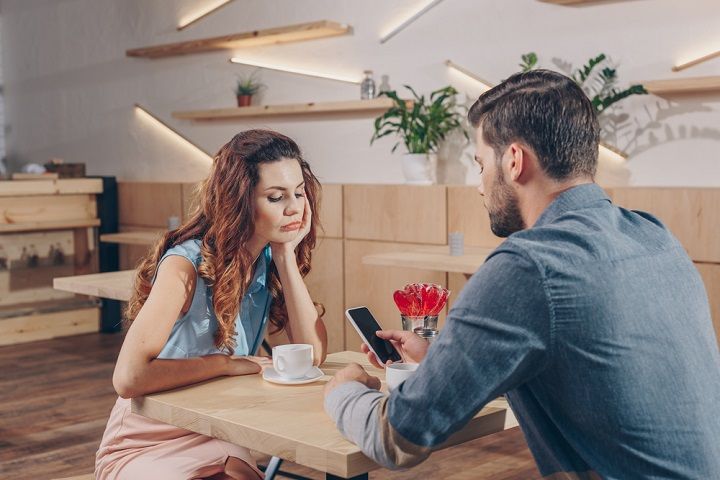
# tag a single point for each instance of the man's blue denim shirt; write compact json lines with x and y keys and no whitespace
{"x":596,"y":325}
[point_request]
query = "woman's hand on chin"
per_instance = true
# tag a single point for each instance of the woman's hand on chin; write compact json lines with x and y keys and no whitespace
{"x":288,"y":248}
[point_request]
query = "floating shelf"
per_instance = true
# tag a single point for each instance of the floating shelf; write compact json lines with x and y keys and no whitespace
{"x":579,"y":2}
{"x":352,"y":106}
{"x":683,"y":85}
{"x":270,"y":36}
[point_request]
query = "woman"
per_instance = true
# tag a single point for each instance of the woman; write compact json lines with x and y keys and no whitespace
{"x":202,"y":298}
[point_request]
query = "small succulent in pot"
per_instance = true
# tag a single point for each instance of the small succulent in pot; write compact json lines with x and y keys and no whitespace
{"x":246,"y":87}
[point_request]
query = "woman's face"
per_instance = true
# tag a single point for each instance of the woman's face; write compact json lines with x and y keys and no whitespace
{"x":279,"y":201}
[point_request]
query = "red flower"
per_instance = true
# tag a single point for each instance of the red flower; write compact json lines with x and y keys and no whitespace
{"x":421,"y":299}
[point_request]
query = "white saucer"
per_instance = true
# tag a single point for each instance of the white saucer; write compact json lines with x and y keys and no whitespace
{"x":272,"y":376}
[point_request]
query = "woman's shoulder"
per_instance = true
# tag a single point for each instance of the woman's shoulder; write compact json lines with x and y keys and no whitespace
{"x":189,"y":249}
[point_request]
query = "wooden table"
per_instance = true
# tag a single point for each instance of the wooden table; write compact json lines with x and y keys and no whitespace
{"x":287,"y":421}
{"x":132,"y":238}
{"x":111,"y":285}
{"x":432,"y":258}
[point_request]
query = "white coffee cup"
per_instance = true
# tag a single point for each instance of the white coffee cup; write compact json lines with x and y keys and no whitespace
{"x":396,"y":373}
{"x":292,"y":361}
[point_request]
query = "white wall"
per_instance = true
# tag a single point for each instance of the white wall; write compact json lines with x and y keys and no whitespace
{"x":70,"y":89}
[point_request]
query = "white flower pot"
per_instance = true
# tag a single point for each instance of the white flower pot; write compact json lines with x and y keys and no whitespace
{"x":420,"y":168}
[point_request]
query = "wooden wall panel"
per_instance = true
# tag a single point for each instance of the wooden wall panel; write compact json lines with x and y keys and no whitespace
{"x":189,"y":198}
{"x":131,"y":254}
{"x":331,"y":211}
{"x":325,"y":284}
{"x":149,"y":204}
{"x":373,"y":286}
{"x":467,"y":214}
{"x":690,"y":213}
{"x":396,"y":213}
{"x":710,"y":273}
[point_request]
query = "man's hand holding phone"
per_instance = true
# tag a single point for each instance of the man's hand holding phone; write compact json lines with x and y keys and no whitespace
{"x":412,"y":348}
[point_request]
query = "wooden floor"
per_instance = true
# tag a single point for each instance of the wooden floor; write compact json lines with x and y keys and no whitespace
{"x":55,"y":397}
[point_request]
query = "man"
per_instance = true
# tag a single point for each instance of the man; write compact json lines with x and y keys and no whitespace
{"x":590,"y":318}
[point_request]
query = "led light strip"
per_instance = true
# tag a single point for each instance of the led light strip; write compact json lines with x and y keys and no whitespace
{"x":409,"y":20}
{"x":157,"y":121}
{"x":692,"y":63}
{"x":280,"y":68}
{"x":485,"y":84}
{"x":190,"y":19}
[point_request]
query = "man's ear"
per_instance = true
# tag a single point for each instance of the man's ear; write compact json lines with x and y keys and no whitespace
{"x":517,"y":163}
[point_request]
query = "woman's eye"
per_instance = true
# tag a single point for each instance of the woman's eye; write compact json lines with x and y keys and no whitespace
{"x":299,"y":195}
{"x":274,"y":199}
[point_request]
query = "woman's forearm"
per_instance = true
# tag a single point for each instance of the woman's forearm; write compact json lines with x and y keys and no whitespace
{"x":305,"y":325}
{"x":163,"y":374}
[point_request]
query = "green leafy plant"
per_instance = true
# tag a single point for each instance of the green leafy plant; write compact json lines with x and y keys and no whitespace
{"x":529,"y":60}
{"x":420,"y":123}
{"x":598,"y":79}
{"x":248,"y":84}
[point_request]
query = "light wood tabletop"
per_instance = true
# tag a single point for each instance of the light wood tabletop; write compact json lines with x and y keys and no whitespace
{"x":287,"y":421}
{"x":132,"y":238}
{"x":432,"y":258}
{"x":112,"y":285}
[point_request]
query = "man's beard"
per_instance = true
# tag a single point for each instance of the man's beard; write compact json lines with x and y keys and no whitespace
{"x":505,"y":217}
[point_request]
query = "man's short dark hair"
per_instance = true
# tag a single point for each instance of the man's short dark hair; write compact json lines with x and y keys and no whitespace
{"x":547,"y":112}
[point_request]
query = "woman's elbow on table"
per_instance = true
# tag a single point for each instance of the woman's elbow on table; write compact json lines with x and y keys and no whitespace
{"x":126,"y":383}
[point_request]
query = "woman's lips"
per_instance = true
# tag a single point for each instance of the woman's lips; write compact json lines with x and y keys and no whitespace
{"x":291,"y":226}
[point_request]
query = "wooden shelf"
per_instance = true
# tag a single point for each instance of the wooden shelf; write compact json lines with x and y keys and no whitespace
{"x":580,"y":2}
{"x":41,"y":226}
{"x":131,"y":238}
{"x":270,"y":36}
{"x":683,"y":85}
{"x":353,"y":106}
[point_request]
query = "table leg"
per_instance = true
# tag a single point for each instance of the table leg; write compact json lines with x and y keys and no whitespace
{"x":330,"y":476}
{"x":272,"y":468}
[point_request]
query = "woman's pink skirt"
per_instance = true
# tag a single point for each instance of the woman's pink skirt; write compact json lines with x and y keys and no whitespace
{"x":138,"y":448}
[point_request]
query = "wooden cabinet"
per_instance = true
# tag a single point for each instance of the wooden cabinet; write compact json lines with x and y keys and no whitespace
{"x":47,"y":230}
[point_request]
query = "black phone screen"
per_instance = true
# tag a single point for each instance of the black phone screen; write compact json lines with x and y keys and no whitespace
{"x":368,"y":326}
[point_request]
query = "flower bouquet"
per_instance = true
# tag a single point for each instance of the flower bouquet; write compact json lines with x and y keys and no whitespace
{"x":419,"y":305}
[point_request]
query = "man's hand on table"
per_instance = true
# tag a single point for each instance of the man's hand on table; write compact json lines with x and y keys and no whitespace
{"x":352,"y":373}
{"x":412,"y":349}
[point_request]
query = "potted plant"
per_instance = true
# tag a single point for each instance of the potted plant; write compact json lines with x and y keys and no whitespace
{"x":598,"y":84}
{"x":421,"y":125}
{"x":246,"y":87}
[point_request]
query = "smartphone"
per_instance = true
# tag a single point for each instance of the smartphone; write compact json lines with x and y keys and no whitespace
{"x":366,"y":326}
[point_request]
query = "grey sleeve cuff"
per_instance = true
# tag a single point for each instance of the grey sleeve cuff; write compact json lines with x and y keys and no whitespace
{"x":355,"y":409}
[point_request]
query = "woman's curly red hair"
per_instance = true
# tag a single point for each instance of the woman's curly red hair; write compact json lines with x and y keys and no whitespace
{"x":224,"y":222}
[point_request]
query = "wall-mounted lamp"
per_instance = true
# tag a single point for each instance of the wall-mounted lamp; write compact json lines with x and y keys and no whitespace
{"x":174,"y":134}
{"x":209,"y":8}
{"x":691,"y":63}
{"x":297,"y":71}
{"x":409,"y":20}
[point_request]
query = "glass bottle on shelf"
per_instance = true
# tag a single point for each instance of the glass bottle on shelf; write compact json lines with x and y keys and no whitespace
{"x":367,"y":87}
{"x":384,"y":84}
